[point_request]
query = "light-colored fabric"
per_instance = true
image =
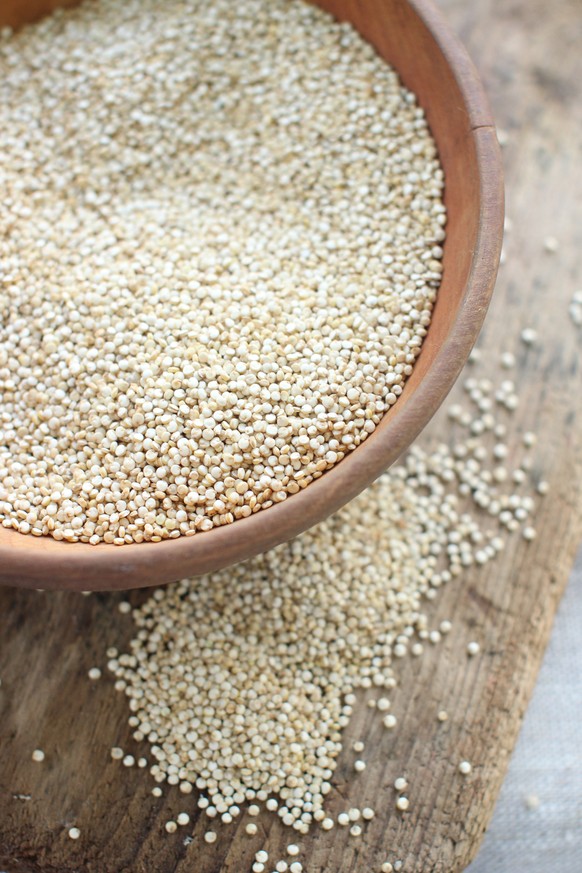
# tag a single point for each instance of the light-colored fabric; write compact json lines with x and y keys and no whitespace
{"x":537,"y":823}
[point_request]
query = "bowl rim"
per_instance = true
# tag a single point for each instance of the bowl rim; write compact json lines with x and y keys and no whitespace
{"x":43,"y":562}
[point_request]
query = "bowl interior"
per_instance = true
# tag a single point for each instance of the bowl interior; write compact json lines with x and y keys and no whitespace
{"x":413,"y":38}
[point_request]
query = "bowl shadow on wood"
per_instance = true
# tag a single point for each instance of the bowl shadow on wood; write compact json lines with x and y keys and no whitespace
{"x":415,"y":40}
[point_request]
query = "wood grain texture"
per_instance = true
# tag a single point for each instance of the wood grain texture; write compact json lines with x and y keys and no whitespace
{"x":48,"y":641}
{"x":416,"y":40}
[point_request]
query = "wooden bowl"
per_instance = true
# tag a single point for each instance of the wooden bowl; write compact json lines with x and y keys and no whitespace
{"x":412,"y":36}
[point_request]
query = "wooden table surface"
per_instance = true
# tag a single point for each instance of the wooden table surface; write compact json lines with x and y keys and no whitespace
{"x":529,"y":55}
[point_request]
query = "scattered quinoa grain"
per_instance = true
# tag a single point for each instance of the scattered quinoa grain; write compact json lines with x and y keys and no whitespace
{"x":442,"y":715}
{"x":94,"y":673}
{"x":171,"y":827}
{"x":402,"y":804}
{"x":183,"y":818}
{"x":465,"y":768}
{"x":503,"y":137}
{"x":251,"y":828}
{"x":210,"y":837}
{"x":551,"y":244}
{"x":400,"y":784}
{"x":359,"y":766}
{"x":575,"y":309}
{"x":473,"y":648}
{"x":529,"y":533}
{"x":74,"y":833}
{"x":529,"y":439}
{"x":38,"y":756}
{"x":532,"y":802}
{"x":529,"y":336}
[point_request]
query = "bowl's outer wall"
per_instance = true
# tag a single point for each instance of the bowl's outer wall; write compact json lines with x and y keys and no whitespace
{"x":413,"y":37}
{"x":14,"y":13}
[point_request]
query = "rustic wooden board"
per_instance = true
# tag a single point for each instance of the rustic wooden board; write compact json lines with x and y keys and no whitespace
{"x":48,"y":641}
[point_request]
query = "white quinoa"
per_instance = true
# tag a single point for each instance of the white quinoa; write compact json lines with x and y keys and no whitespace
{"x":221,"y":230}
{"x":575,"y":309}
{"x":242,"y":681}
